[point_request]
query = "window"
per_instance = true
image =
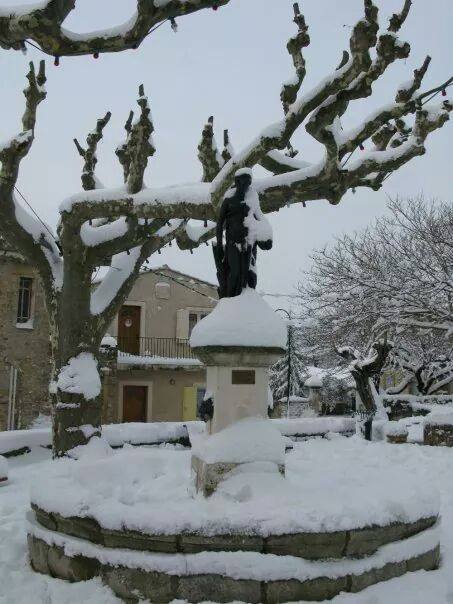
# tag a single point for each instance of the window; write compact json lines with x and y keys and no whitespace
{"x":24,"y":305}
{"x":194,"y":317}
{"x":242,"y":376}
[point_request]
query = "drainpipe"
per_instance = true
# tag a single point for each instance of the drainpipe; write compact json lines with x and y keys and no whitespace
{"x":12,"y":397}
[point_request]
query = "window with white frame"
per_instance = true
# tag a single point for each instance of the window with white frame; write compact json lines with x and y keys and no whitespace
{"x":194,"y":317}
{"x":25,"y":301}
{"x":186,"y":319}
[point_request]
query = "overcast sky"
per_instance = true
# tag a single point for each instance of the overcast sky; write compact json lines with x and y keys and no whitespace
{"x":230,"y":64}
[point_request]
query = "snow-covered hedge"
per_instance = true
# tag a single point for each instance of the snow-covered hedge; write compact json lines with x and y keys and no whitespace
{"x":315,"y":426}
{"x":17,"y":442}
{"x":396,"y":429}
{"x":439,"y":419}
{"x":405,"y":405}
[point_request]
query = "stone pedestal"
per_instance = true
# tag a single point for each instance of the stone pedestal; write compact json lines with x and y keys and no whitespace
{"x":237,"y":379}
{"x":237,"y":343}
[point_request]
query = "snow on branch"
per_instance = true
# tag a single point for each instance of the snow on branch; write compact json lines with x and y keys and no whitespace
{"x":320,"y":109}
{"x":208,"y":153}
{"x":19,"y":227}
{"x":278,"y":135}
{"x":139,"y":145}
{"x":43,"y":23}
{"x":295,"y":45}
{"x":89,"y":180}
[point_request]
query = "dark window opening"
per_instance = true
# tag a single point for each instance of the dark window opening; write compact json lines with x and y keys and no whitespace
{"x":24,"y":300}
{"x":242,"y":376}
{"x":194,"y":317}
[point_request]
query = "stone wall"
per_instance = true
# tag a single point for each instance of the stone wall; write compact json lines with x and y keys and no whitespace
{"x":27,"y":349}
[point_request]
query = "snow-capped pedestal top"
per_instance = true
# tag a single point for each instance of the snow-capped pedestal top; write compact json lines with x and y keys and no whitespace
{"x":245,"y":320}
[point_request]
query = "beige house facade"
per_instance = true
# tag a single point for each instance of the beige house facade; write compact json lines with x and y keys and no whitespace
{"x":156,"y":377}
{"x":148,"y":370}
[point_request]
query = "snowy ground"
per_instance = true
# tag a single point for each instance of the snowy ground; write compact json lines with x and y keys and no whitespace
{"x":20,"y":585}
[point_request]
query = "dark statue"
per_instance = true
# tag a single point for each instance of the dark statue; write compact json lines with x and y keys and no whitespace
{"x":236,"y":259}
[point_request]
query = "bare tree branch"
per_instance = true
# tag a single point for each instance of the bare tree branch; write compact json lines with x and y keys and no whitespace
{"x":44,"y":25}
{"x":140,"y":145}
{"x":277,"y":136}
{"x":89,"y":154}
{"x":22,"y":230}
{"x":295,"y":45}
{"x":208,"y":153}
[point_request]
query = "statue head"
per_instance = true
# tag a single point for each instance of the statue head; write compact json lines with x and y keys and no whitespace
{"x":243,"y":180}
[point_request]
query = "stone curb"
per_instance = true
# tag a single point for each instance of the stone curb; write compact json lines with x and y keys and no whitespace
{"x":312,"y":546}
{"x":133,"y":584}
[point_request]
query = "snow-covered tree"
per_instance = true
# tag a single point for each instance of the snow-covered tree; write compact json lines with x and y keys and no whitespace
{"x":122,"y":227}
{"x":365,"y":368}
{"x":43,"y":23}
{"x":292,"y":365}
{"x":396,"y":273}
{"x":425,"y":358}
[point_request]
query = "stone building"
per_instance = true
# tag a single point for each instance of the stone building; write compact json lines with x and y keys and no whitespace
{"x":149,"y":372}
{"x":24,"y":343}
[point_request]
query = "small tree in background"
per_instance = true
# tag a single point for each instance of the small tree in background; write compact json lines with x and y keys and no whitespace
{"x":292,"y":365}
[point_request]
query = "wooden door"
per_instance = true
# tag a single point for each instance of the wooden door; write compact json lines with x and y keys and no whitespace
{"x":129,"y":329}
{"x":135,"y":403}
{"x":189,"y":404}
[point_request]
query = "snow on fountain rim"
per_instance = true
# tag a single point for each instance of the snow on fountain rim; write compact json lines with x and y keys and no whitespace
{"x":336,"y":485}
{"x":245,"y":320}
{"x":241,"y":565}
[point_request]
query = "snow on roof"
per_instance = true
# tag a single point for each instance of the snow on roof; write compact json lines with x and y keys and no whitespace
{"x":314,"y":381}
{"x":245,"y":320}
{"x":180,"y":276}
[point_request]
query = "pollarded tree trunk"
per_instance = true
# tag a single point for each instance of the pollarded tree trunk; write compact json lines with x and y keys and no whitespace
{"x":364,"y":371}
{"x":76,"y":385}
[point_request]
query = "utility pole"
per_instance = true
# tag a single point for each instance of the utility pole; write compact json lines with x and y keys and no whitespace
{"x":288,"y":389}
